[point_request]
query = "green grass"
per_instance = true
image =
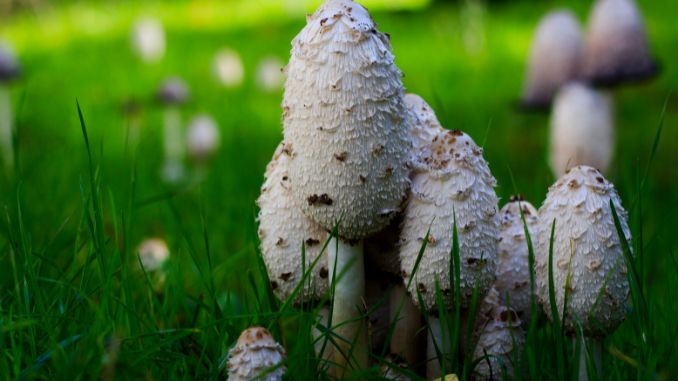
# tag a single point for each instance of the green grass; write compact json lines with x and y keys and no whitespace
{"x":73,"y":305}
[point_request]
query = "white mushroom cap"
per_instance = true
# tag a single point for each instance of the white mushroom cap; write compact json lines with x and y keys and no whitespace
{"x":9,"y":66}
{"x":513,"y":265}
{"x":616,"y":44}
{"x":228,"y":67}
{"x":425,"y":124}
{"x":148,"y":39}
{"x":500,"y":336}
{"x":256,"y":353}
{"x":586,"y":246}
{"x":283,"y":229}
{"x":582,"y":129}
{"x":153,"y":253}
{"x":451,"y":180}
{"x":346,"y":122}
{"x":270,"y":76}
{"x":173,"y":90}
{"x":555,"y":57}
{"x":203,"y":137}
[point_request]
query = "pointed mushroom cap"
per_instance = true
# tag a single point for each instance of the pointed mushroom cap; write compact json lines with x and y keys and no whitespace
{"x":173,"y":91}
{"x":582,"y":129}
{"x":9,"y":66}
{"x":425,"y":124}
{"x":616,"y":46}
{"x":203,"y":137}
{"x":346,"y":122}
{"x":283,"y":229}
{"x":586,"y":248}
{"x":513,"y":265}
{"x":500,"y":336}
{"x":451,"y":180}
{"x":555,"y":57}
{"x":256,"y":353}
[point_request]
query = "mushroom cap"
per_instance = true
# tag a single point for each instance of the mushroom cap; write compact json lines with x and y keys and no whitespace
{"x":173,"y":91}
{"x":582,"y":129}
{"x":346,"y":122}
{"x":9,"y":66}
{"x":228,"y":67}
{"x":451,"y":179}
{"x":148,"y":39}
{"x":555,"y":58}
{"x":256,"y":353}
{"x":270,"y":76}
{"x":586,"y":247}
{"x":283,"y":229}
{"x":616,"y":45}
{"x":425,"y":124}
{"x":153,"y":253}
{"x":513,"y":265}
{"x":203,"y":137}
{"x":499,"y":334}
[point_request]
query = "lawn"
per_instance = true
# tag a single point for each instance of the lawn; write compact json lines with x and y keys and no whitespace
{"x":73,"y":304}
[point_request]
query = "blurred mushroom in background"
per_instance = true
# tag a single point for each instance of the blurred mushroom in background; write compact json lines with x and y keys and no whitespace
{"x":172,"y":94}
{"x":228,"y":68}
{"x":148,"y":39}
{"x":270,"y":76}
{"x":203,"y":141}
{"x":9,"y":71}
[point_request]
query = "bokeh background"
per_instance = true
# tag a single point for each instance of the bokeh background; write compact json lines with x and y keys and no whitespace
{"x":67,"y":288}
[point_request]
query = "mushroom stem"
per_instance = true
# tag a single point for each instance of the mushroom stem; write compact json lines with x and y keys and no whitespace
{"x":596,"y":347}
{"x":323,"y":349}
{"x":173,"y":170}
{"x":348,"y":277}
{"x":407,"y":320}
{"x":439,"y":338}
{"x":6,"y":144}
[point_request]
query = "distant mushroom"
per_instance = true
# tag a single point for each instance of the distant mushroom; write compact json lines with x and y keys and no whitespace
{"x":270,"y":75}
{"x":228,"y":67}
{"x":148,"y":39}
{"x":555,"y":58}
{"x":172,"y":94}
{"x":617,"y":48}
{"x":256,"y":356}
{"x":588,"y":261}
{"x":154,"y":257}
{"x":451,"y":183}
{"x":9,"y":70}
{"x":582,"y":129}
{"x":513,"y":265}
{"x":202,"y":141}
{"x":347,"y":128}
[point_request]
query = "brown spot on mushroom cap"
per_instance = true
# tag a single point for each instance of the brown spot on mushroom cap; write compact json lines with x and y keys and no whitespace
{"x":323,"y":199}
{"x":324,"y":273}
{"x":312,"y":242}
{"x":285,"y":276}
{"x":341,"y":156}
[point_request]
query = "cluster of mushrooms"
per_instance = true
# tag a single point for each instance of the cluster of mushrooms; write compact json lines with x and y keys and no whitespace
{"x":367,"y":195}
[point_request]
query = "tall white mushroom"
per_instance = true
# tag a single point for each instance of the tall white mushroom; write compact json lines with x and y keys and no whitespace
{"x":148,"y":39}
{"x":347,"y":130}
{"x":617,"y":49}
{"x":9,"y":70}
{"x":256,"y":356}
{"x":513,"y":265}
{"x":588,"y":261}
{"x":555,"y":58}
{"x":582,"y":129}
{"x":451,"y":182}
{"x":172,"y":94}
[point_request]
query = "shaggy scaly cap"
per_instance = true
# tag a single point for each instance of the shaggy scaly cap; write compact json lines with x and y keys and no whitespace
{"x":256,"y":353}
{"x":500,"y":336}
{"x":513,"y":267}
{"x":346,"y":122}
{"x":587,"y":248}
{"x":425,"y":124}
{"x":555,"y":57}
{"x":582,"y":129}
{"x":616,"y":44}
{"x":283,"y":229}
{"x":451,"y":179}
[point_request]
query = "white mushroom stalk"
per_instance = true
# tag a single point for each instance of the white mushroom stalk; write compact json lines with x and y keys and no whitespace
{"x":617,"y":48}
{"x":256,"y":356}
{"x":555,"y":58}
{"x":347,"y":130}
{"x":513,"y":265}
{"x":9,"y":70}
{"x":172,"y":94}
{"x":148,"y":39}
{"x":451,"y":183}
{"x":588,"y":260}
{"x":582,"y":129}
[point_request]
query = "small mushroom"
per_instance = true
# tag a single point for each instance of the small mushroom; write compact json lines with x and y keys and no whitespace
{"x":555,"y":58}
{"x":256,"y":356}
{"x":228,"y":68}
{"x":148,"y":39}
{"x":154,"y":257}
{"x":172,"y":94}
{"x":582,"y":129}
{"x":585,"y":233}
{"x":617,"y":48}
{"x":269,"y":74}
{"x":9,"y":71}
{"x":392,"y":368}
